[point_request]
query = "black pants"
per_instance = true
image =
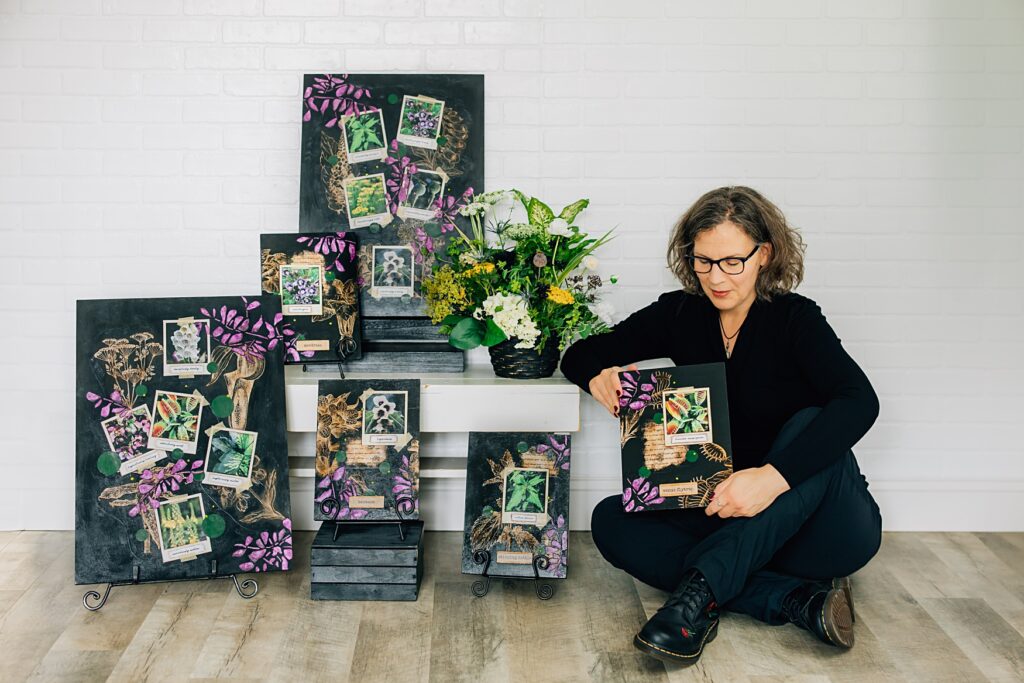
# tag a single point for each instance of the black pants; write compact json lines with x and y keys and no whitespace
{"x":825,"y":527}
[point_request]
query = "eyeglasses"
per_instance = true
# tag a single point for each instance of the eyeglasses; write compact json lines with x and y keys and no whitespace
{"x":732,"y":265}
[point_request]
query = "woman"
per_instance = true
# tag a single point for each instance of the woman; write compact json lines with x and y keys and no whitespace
{"x":795,"y":516}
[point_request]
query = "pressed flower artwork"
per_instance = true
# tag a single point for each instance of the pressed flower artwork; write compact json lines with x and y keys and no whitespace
{"x":317,"y":277}
{"x":517,"y":504}
{"x":393,"y":270}
{"x":181,"y":528}
{"x":671,"y":456}
{"x":395,"y":157}
{"x":175,"y":470}
{"x":367,"y":450}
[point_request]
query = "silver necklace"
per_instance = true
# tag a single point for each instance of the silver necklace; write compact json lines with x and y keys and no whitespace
{"x":728,"y":339}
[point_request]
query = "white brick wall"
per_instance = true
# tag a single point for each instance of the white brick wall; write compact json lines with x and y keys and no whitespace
{"x":135,"y":135}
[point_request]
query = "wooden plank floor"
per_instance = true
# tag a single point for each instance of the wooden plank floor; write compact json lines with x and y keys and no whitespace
{"x":930,"y":607}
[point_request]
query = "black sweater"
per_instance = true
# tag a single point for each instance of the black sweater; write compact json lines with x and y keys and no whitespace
{"x":786,"y":357}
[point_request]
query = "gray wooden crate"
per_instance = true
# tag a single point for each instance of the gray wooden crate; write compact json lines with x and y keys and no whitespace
{"x":367,"y":562}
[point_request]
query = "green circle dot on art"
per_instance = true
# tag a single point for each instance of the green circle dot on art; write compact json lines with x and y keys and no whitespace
{"x":141,"y":390}
{"x":222,"y":406}
{"x":340,"y":457}
{"x":329,"y":276}
{"x":384,"y":467}
{"x":214,"y":526}
{"x":211,"y":367}
{"x":332,"y":160}
{"x":658,"y":418}
{"x":141,"y":535}
{"x":614,"y":279}
{"x":644,"y":472}
{"x":199,"y":476}
{"x":522,"y":446}
{"x":691,"y":455}
{"x":442,"y":141}
{"x":178,"y":453}
{"x":392,"y":98}
{"x":375,"y":228}
{"x":107,"y":463}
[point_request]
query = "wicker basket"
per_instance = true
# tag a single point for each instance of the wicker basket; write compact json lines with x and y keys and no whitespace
{"x":508,"y":361}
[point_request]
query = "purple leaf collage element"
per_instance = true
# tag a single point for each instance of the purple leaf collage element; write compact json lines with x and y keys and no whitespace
{"x":266,"y":551}
{"x":107,"y":406}
{"x":398,"y":179}
{"x":157,"y":481}
{"x":636,"y":395}
{"x":332,"y":97}
{"x":556,"y":545}
{"x":446,"y":209}
{"x":402,"y":487}
{"x":561,"y":449}
{"x":248,"y":334}
{"x":337,"y":485}
{"x":336,"y":246}
{"x":638,"y":494}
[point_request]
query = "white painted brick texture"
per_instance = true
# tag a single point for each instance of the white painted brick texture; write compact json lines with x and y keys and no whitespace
{"x":145,"y":144}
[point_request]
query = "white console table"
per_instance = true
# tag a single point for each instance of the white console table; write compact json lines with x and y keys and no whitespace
{"x":451,"y":406}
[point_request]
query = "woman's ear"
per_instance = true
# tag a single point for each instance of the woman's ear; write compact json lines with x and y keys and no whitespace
{"x":765,"y":254}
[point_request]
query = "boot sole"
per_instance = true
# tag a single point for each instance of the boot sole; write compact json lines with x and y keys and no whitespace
{"x":843,"y":584}
{"x":675,"y":657}
{"x":837,"y":617}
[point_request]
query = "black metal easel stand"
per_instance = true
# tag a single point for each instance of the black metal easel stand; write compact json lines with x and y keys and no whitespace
{"x":330,"y":506}
{"x":247,"y":588}
{"x":480,"y":587}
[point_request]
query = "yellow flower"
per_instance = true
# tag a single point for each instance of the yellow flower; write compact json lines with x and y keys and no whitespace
{"x":560,"y":296}
{"x":483,"y":267}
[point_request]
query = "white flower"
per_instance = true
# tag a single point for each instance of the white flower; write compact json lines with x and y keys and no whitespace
{"x":559,"y":226}
{"x":492,"y":198}
{"x":603,"y":310}
{"x":519,"y":231}
{"x":473,"y":209}
{"x":512,"y":317}
{"x":590,"y":262}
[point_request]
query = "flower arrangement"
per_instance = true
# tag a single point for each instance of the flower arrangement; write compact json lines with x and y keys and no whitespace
{"x":531,"y":283}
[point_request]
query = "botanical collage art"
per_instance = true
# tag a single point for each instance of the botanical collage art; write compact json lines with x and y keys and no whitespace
{"x":674,"y":431}
{"x":394,"y":157}
{"x":517,"y":504}
{"x":367,"y":450}
{"x":181,"y":458}
{"x":316,"y":276}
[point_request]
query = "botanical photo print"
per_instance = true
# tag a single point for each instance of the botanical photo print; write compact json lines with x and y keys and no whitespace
{"x":366,"y":201}
{"x":127,"y":435}
{"x":302,"y":291}
{"x":384,"y":417}
{"x":424,"y":190}
{"x":392,"y":270}
{"x":525,"y":497}
{"x":229,"y":457}
{"x":176,"y":419}
{"x":687,"y":416}
{"x":364,"y":137}
{"x":181,"y":528}
{"x":420,"y":121}
{"x":186,"y":347}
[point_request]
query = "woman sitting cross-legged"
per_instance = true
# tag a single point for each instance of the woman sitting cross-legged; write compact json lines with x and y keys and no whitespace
{"x":785,"y":530}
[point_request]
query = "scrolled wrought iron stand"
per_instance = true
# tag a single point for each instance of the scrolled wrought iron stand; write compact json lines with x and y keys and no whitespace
{"x":330,"y":506}
{"x":480,"y":587}
{"x":93,"y":601}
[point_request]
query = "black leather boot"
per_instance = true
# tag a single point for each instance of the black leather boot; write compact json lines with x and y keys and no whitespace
{"x":682,"y":627}
{"x":824,"y":609}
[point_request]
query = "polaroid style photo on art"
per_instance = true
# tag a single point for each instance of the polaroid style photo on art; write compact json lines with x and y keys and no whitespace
{"x":128,"y":435}
{"x":181,"y":528}
{"x":419,"y":124}
{"x":229,"y":456}
{"x":384,"y":415}
{"x":302,"y":289}
{"x":424,"y":189}
{"x":364,"y":137}
{"x":393,"y":271}
{"x":686,"y":416}
{"x":176,"y":420}
{"x":524,"y":496}
{"x":186,"y":347}
{"x":366,"y":201}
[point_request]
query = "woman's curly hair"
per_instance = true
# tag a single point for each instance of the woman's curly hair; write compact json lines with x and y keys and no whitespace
{"x":756,"y":216}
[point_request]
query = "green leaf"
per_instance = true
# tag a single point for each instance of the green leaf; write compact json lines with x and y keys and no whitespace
{"x":516,"y":500}
{"x":539,"y":213}
{"x":570,"y":212}
{"x":534,"y":500}
{"x":467,"y":334}
{"x":493,"y":334}
{"x":451,"y":319}
{"x":525,"y":199}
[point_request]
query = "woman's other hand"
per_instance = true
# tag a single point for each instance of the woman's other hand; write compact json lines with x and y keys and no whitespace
{"x":747,"y":492}
{"x":606,"y":389}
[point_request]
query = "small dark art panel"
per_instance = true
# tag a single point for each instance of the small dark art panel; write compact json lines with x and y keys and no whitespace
{"x":517,"y":503}
{"x":367,"y":450}
{"x":316,"y":274}
{"x":181,"y":458}
{"x":674,"y":430}
{"x":393,"y":156}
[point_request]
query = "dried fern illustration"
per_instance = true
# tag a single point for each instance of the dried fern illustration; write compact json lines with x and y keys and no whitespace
{"x":705,"y":487}
{"x":334,"y":169}
{"x":447,"y":157}
{"x":713,"y":452}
